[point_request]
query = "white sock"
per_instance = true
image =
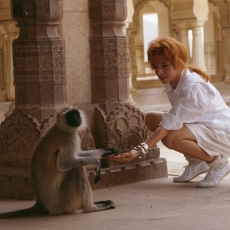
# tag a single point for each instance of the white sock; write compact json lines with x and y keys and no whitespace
{"x":218,"y":163}
{"x":192,"y":160}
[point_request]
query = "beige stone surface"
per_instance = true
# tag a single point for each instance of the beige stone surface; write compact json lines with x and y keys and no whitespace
{"x":75,"y":30}
{"x":152,"y":204}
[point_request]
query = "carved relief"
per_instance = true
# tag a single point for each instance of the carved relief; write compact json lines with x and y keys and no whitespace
{"x":39,"y":57}
{"x":125,"y":128}
{"x":19,"y":134}
{"x":45,"y":62}
{"x":58,"y":61}
{"x":111,"y":73}
{"x":87,"y":140}
{"x":110,"y":59}
{"x":98,"y":45}
{"x":109,"y":50}
{"x":31,"y":63}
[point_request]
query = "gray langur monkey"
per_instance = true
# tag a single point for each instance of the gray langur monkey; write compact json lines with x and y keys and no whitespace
{"x":57,"y":173}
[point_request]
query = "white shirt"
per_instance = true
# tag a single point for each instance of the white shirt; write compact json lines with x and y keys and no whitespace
{"x":195,"y":101}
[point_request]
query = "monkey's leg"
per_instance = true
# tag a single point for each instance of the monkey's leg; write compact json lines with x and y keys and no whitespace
{"x":75,"y":191}
{"x":87,"y":201}
{"x":67,"y":199}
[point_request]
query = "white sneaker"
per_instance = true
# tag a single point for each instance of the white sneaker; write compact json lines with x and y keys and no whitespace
{"x":214,"y":177}
{"x":191,"y":171}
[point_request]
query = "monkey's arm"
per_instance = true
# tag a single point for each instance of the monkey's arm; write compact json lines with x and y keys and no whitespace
{"x":67,"y":161}
{"x":98,"y":153}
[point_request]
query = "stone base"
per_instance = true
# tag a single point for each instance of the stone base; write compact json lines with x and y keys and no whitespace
{"x":121,"y":174}
{"x":129,"y":173}
{"x":16,"y":187}
{"x":121,"y":129}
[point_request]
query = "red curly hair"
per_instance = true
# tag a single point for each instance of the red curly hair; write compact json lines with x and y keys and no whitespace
{"x":171,"y":50}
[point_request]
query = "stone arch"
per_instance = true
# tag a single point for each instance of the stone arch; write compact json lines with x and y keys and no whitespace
{"x":212,"y":43}
{"x":139,"y":69}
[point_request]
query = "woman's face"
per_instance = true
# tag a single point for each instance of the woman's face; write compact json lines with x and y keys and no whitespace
{"x":167,"y":74}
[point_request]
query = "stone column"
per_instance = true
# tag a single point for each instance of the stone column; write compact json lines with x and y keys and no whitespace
{"x":2,"y":80}
{"x":109,"y":49}
{"x":39,"y":57}
{"x":9,"y":78}
{"x":182,"y":29}
{"x":226,"y":53}
{"x":197,"y":46}
{"x":183,"y":36}
{"x":117,"y":123}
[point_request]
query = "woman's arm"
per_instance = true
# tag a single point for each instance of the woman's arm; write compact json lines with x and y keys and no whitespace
{"x":151,"y":141}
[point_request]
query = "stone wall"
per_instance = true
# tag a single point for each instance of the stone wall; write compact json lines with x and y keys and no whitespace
{"x":76,"y":33}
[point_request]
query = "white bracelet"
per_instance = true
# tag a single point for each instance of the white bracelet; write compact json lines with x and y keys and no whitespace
{"x":142,"y":149}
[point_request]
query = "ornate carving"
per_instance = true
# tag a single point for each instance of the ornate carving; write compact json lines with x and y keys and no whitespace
{"x":87,"y":140}
{"x":109,"y":50}
{"x":112,"y":73}
{"x":39,"y":57}
{"x":58,"y":61}
{"x":110,"y":59}
{"x":109,"y":45}
{"x":19,"y":134}
{"x":122,"y":129}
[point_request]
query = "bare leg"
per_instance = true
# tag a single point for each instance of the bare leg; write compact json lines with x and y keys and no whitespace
{"x":184,"y":142}
{"x":181,"y":140}
{"x":153,"y":119}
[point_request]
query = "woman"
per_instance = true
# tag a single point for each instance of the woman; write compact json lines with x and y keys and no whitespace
{"x":197,"y":125}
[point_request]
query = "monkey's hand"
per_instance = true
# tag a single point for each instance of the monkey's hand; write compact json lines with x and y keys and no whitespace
{"x":110,"y":152}
{"x":98,"y":172}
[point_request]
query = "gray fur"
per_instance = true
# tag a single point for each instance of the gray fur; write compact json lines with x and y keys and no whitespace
{"x":58,"y":175}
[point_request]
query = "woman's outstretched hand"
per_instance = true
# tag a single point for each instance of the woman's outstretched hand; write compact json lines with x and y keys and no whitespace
{"x":126,"y":157}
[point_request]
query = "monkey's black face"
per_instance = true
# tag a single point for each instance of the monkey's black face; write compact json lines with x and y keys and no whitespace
{"x":73,"y":118}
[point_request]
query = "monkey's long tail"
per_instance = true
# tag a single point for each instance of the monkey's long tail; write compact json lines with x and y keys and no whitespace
{"x":34,"y":210}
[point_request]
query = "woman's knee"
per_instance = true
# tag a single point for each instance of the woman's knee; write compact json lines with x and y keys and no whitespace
{"x":152,"y":120}
{"x":168,"y":140}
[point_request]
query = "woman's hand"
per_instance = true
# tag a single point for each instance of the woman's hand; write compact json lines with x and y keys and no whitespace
{"x":126,"y":157}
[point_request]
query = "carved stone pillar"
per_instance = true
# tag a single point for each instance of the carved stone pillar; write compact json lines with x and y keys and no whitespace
{"x":197,"y":45}
{"x":116,"y":122}
{"x":183,"y":36}
{"x":182,"y":29}
{"x":9,"y":78}
{"x":109,"y":49}
{"x":39,"y":57}
{"x":226,"y":53}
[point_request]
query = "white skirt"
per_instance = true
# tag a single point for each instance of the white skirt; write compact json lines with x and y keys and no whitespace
{"x":213,"y":141}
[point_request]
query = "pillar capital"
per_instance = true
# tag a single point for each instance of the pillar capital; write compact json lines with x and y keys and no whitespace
{"x":190,"y":9}
{"x":107,"y":17}
{"x":9,"y":27}
{"x":181,"y":25}
{"x":196,"y":24}
{"x":37,"y":18}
